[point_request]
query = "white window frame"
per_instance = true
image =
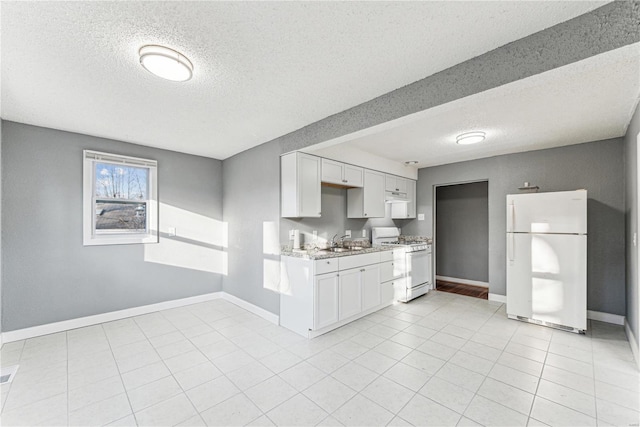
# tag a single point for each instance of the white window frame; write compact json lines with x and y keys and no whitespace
{"x":90,"y":237}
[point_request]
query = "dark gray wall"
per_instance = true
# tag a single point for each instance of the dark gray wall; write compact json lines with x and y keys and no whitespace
{"x":462,"y":231}
{"x":631,"y":179}
{"x":252,"y":202}
{"x":48,"y":275}
{"x":596,"y":166}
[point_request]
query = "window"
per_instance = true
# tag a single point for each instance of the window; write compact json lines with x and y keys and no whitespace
{"x":120,"y":199}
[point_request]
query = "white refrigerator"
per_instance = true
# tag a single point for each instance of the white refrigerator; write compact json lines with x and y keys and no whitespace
{"x":547,"y":259}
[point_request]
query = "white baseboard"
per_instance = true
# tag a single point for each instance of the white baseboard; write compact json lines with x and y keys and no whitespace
{"x":463,"y":281}
{"x":497,"y":297}
{"x":81,"y":322}
{"x":616,"y":319}
{"x":267,"y":315}
{"x":632,"y":342}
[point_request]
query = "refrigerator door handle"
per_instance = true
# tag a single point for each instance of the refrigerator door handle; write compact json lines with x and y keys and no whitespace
{"x":512,"y":218}
{"x":511,"y":246}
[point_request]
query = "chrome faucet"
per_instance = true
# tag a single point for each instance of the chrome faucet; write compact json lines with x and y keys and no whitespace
{"x":333,"y":243}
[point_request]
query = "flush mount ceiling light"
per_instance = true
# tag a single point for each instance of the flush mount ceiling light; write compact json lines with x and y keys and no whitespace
{"x":470,"y":138}
{"x":166,"y":63}
{"x":411,"y":162}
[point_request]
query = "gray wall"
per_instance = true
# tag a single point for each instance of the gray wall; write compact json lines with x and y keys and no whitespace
{"x":251,"y":205}
{"x":48,"y":274}
{"x":1,"y":272}
{"x":462,"y":230}
{"x":631,"y":178}
{"x":596,"y":166}
{"x":334,"y":219}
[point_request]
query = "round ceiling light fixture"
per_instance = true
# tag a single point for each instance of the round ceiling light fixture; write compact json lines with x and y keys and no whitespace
{"x":470,"y":138}
{"x":166,"y":63}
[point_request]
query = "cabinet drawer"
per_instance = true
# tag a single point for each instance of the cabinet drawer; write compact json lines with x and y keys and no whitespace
{"x":386,"y":256}
{"x":354,"y":261}
{"x":386,"y":271}
{"x":386,"y":292}
{"x":326,"y":265}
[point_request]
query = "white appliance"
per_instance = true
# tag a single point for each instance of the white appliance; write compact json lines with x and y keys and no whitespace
{"x":417,"y":278}
{"x":547,"y":259}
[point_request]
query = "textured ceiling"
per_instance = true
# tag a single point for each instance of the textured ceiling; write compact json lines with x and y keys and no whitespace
{"x":262,"y":69}
{"x":585,"y":101}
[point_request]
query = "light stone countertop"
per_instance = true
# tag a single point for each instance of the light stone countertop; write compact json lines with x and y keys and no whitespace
{"x":320,"y":254}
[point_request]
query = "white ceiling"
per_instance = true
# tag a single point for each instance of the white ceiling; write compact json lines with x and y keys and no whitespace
{"x":262,"y":69}
{"x":590,"y":100}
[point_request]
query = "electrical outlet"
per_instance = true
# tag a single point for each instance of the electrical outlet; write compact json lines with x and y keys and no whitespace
{"x":364,"y":233}
{"x":420,"y":217}
{"x":172,"y":231}
{"x":347,"y":233}
{"x":292,"y":234}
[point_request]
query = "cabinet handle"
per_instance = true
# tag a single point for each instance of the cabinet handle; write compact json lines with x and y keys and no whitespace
{"x":362,"y":269}
{"x":365,"y":214}
{"x":397,"y":189}
{"x":344,"y":180}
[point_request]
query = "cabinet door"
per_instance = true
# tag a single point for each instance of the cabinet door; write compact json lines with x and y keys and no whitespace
{"x":308,"y":185}
{"x":390,"y":183}
{"x":326,"y":300}
{"x":350,"y":293}
{"x":411,"y":195}
{"x":374,"y":194}
{"x":353,"y":176}
{"x":401,"y":184}
{"x":370,"y":286}
{"x":332,"y":171}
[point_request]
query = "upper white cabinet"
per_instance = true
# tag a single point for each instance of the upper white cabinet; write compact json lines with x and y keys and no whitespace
{"x":342,"y":174}
{"x":368,"y":201}
{"x":300,"y":185}
{"x":395,"y":183}
{"x":406,"y":210}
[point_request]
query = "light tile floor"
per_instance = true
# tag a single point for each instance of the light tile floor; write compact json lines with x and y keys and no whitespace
{"x":442,"y":359}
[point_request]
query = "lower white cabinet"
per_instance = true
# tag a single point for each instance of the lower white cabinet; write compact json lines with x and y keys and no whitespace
{"x":350,"y":293}
{"x":370,"y":286}
{"x":326,"y":300}
{"x":387,"y":292}
{"x":317,"y":296}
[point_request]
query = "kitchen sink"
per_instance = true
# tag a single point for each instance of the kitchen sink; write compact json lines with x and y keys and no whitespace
{"x":340,"y":250}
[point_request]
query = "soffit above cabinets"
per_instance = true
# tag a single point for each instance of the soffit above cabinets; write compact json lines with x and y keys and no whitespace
{"x":261,"y":69}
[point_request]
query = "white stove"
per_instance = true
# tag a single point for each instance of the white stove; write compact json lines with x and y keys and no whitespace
{"x":417,"y":279}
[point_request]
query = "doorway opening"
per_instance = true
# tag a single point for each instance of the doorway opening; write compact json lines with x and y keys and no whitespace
{"x":461,"y":243}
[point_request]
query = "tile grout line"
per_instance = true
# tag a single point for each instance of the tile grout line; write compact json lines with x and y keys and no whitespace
{"x":119,"y":373}
{"x":212,"y":362}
